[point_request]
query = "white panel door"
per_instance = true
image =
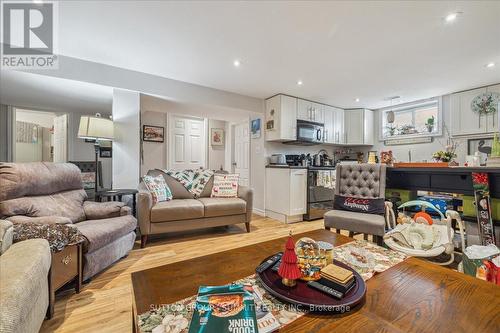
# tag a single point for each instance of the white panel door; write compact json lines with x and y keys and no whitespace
{"x":188,"y":143}
{"x":241,"y":152}
{"x":60,"y":138}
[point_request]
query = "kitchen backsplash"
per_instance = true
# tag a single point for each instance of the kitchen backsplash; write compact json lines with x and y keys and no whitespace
{"x":279,"y":148}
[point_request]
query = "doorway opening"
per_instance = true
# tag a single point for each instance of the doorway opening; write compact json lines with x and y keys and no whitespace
{"x":40,"y":136}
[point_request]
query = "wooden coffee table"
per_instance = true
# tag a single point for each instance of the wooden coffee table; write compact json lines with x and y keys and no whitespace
{"x":413,"y":296}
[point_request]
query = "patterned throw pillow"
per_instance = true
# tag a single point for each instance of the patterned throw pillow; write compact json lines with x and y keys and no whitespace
{"x":88,"y":180}
{"x":225,"y":186}
{"x":158,"y":188}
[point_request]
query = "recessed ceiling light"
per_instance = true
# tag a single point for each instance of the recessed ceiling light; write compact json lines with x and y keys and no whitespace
{"x":236,"y":63}
{"x":490,"y":64}
{"x":356,"y":100}
{"x":299,"y":82}
{"x":451,"y":17}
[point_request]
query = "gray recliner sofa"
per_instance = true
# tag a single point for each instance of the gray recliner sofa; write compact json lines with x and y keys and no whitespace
{"x":42,"y":192}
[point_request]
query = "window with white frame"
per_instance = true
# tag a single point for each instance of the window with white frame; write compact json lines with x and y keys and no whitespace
{"x":409,"y":120}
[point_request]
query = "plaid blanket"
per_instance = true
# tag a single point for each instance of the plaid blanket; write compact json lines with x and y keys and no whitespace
{"x":193,"y":180}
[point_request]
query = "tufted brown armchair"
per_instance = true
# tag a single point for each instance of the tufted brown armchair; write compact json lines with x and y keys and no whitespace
{"x":362,"y":181}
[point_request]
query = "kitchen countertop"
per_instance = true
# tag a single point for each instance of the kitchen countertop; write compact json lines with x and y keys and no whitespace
{"x":451,"y":169}
{"x":284,"y":166}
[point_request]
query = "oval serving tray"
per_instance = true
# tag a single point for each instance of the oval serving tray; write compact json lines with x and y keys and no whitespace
{"x":310,"y":299}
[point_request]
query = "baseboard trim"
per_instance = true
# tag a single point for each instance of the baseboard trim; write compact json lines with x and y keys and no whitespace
{"x":259,"y":212}
{"x":284,"y":218}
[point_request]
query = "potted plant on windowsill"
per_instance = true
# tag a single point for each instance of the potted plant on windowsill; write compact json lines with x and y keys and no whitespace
{"x":391,"y":130}
{"x":430,"y":124}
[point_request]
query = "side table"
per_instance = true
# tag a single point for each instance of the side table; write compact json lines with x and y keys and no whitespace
{"x":116,"y":195}
{"x":66,"y":266}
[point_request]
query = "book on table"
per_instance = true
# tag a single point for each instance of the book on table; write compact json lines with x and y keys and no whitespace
{"x":224,"y":309}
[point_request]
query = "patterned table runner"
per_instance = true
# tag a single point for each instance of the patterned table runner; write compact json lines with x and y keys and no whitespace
{"x":366,"y":258}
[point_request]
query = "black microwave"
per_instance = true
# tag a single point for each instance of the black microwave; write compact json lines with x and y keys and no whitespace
{"x":309,"y":132}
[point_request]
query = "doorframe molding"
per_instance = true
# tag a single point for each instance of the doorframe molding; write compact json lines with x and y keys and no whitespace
{"x":168,"y":131}
{"x":11,"y":118}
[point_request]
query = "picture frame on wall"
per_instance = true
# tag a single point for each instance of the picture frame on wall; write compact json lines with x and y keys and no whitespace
{"x":481,"y":145}
{"x":105,"y":152}
{"x":255,"y":128}
{"x":217,"y":137}
{"x":153,"y":133}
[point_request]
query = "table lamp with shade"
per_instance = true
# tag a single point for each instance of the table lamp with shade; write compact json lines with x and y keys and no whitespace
{"x":98,"y":129}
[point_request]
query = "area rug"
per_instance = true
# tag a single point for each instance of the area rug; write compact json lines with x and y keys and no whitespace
{"x":366,"y":258}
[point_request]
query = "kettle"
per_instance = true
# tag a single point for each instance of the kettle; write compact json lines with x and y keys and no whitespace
{"x":318,"y":160}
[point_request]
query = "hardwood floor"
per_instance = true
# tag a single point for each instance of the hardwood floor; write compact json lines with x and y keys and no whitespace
{"x":105,"y":304}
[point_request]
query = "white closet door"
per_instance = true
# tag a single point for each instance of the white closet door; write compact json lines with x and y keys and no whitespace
{"x":241,"y":152}
{"x":61,"y":138}
{"x":188,"y":143}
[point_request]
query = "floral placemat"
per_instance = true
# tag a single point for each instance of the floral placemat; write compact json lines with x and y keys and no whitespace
{"x":364,"y":257}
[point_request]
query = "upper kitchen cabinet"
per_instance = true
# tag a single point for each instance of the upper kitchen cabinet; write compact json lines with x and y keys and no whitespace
{"x":358,"y":127}
{"x":310,"y":111}
{"x":334,"y":124}
{"x":464,"y":121}
{"x":281,"y":118}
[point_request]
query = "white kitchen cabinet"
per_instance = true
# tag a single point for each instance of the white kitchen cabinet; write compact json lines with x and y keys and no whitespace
{"x":358,"y":127}
{"x":286,"y":194}
{"x":317,"y":113}
{"x":310,"y":111}
{"x":464,"y":121}
{"x":304,"y":109}
{"x":334,"y":124}
{"x":338,"y":126}
{"x":329,"y":117}
{"x":281,"y":118}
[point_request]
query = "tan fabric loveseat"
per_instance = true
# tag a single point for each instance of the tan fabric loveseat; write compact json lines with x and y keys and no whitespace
{"x":185,"y":212}
{"x":24,"y":286}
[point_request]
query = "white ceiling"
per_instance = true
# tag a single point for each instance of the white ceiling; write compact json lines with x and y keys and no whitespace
{"x":341,"y":50}
{"x":53,"y":94}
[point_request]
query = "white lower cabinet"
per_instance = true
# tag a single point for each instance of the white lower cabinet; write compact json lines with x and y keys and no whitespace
{"x":286,"y":194}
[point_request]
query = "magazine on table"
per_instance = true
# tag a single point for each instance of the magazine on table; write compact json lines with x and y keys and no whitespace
{"x":224,"y":309}
{"x":266,"y":321}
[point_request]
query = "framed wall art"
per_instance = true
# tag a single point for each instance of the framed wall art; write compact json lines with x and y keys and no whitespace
{"x":153,"y":133}
{"x":217,"y":137}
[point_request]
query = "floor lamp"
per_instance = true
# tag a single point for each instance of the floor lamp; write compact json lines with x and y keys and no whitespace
{"x":98,"y":129}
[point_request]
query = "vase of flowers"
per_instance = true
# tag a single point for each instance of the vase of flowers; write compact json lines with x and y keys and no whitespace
{"x":444,"y":156}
